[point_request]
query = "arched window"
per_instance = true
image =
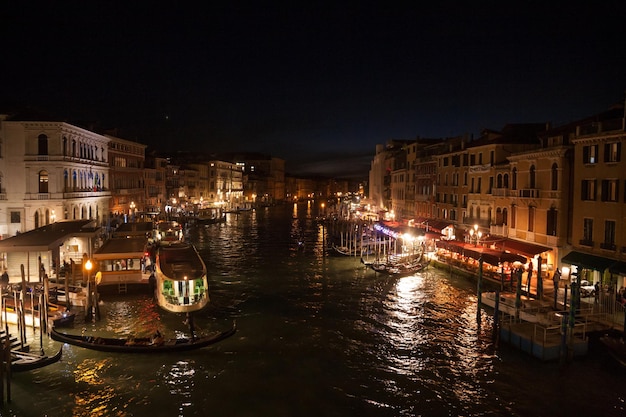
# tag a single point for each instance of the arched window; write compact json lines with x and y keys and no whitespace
{"x":66,"y":180}
{"x":74,"y":180}
{"x":489,"y":213}
{"x":554,"y":178}
{"x":499,"y":216}
{"x":64,"y":146}
{"x":532,"y":177}
{"x":42,"y":145}
{"x":47,"y":217}
{"x":505,"y":216}
{"x":74,"y":147}
{"x":514,"y":179}
{"x":43,"y":181}
{"x":499,"y":181}
{"x":506,"y":180}
{"x":36,"y":219}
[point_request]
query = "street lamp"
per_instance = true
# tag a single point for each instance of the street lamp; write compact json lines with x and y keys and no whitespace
{"x":92,"y":294}
{"x":475,"y":234}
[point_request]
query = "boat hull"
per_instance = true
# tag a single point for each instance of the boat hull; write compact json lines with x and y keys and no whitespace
{"x":24,"y":361}
{"x":141,"y":345}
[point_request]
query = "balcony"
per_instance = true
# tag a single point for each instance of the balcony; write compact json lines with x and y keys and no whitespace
{"x":500,"y":192}
{"x":528,"y":193}
{"x":585,"y":242}
{"x":608,"y":246}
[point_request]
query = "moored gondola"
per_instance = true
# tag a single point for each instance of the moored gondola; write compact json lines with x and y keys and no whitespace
{"x":26,"y":361}
{"x":154,"y":344}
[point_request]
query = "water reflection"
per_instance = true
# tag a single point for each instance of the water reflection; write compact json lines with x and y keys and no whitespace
{"x":317,"y":336}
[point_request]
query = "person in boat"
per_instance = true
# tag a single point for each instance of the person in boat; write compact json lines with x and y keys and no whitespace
{"x":157,"y":338}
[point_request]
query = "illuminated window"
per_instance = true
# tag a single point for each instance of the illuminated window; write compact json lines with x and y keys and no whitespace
{"x":43,"y":181}
{"x":590,"y":154}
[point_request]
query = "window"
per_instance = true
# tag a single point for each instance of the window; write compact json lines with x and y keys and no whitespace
{"x":480,"y":181}
{"x":16,"y":217}
{"x":513,"y":216}
{"x":590,"y":154}
{"x":612,"y":152}
{"x":531,"y":218}
{"x":43,"y":181}
{"x":587,"y":232}
{"x":554,"y":177}
{"x":42,"y":145}
{"x":514,"y":179}
{"x":609,"y":235}
{"x":588,"y":190}
{"x":610,"y":190}
{"x":499,"y":181}
{"x":551,"y":222}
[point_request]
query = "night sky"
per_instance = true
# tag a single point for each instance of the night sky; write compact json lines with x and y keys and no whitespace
{"x":314,"y":83}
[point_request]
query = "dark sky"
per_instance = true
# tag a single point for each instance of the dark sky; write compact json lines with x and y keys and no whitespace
{"x":314,"y":83}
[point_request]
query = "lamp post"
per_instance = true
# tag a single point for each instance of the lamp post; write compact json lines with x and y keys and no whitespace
{"x":92,"y":294}
{"x":475,"y":235}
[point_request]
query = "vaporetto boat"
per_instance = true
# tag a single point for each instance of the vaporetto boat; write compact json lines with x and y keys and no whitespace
{"x":181,"y":278}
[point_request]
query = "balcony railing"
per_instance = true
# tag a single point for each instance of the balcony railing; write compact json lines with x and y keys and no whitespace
{"x":608,"y":246}
{"x":528,"y":193}
{"x":500,"y":192}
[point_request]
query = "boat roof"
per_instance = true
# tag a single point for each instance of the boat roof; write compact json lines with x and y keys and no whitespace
{"x":48,"y":237}
{"x":121,"y":247}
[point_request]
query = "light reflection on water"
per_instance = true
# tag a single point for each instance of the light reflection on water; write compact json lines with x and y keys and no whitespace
{"x":317,"y":335}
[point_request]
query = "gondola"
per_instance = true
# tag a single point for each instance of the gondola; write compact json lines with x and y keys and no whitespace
{"x":26,"y":361}
{"x":141,"y":344}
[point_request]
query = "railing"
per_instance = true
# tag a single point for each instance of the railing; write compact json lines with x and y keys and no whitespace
{"x":500,"y":192}
{"x":528,"y":193}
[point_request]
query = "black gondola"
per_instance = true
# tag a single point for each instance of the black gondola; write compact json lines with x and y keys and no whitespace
{"x":141,"y":344}
{"x":25,"y":361}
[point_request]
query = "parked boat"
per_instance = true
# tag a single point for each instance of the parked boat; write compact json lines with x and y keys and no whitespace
{"x":154,"y":344}
{"x":168,"y":232}
{"x":26,"y":361}
{"x":181,"y":284}
{"x":400,"y":267}
{"x":616,"y":348}
{"x":211,"y":215}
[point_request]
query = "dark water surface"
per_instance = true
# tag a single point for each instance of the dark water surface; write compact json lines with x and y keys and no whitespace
{"x":317,"y":336}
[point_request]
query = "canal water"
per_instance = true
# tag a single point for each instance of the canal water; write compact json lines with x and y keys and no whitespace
{"x":318,"y":335}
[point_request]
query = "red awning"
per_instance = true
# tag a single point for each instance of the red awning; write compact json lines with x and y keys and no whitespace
{"x":517,"y":246}
{"x":491,"y":256}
